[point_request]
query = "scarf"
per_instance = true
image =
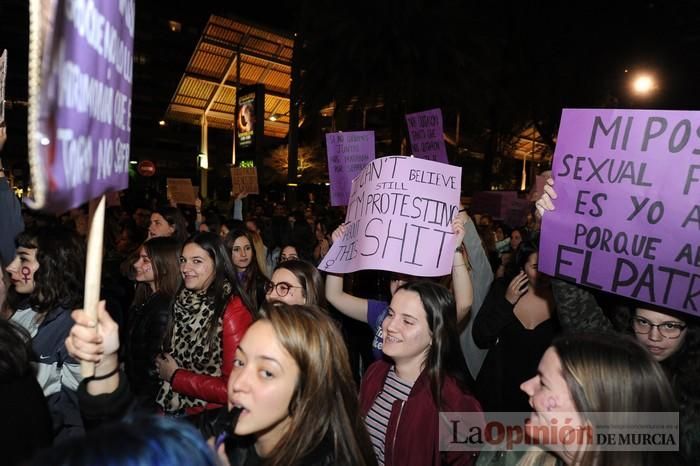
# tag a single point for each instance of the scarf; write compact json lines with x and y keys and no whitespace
{"x":192,"y":314}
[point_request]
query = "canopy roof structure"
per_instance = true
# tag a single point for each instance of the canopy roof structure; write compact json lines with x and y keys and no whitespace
{"x":232,"y":54}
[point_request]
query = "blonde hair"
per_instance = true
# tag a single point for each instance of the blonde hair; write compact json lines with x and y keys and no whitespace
{"x":610,"y":374}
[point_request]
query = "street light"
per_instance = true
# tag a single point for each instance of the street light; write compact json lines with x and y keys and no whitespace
{"x":643,"y":84}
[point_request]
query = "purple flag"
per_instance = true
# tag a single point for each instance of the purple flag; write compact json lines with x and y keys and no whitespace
{"x":80,"y":101}
{"x":399,"y":218}
{"x":348,"y":153}
{"x":627,"y":217}
{"x":425,"y":131}
{"x":3,"y":74}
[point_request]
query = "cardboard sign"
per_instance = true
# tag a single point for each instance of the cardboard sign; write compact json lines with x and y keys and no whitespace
{"x":80,"y":102}
{"x":244,"y":180}
{"x":181,"y":191}
{"x":399,"y":218}
{"x":3,"y":75}
{"x":627,"y":216}
{"x":425,"y":131}
{"x":348,"y":153}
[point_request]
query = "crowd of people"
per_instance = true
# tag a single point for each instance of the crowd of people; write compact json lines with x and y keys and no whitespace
{"x":216,"y":326}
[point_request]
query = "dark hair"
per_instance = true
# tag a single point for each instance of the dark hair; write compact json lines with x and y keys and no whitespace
{"x":253,"y":279}
{"x":324,"y":407}
{"x":175,"y":219}
{"x":445,"y":355}
{"x":61,"y":256}
{"x":15,"y":351}
{"x":522,"y":255}
{"x":223,"y":272}
{"x":137,"y":440}
{"x":164,"y":253}
{"x":309,"y":278}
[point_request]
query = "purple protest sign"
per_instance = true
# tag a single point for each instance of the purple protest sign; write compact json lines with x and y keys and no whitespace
{"x":348,"y":153}
{"x":425,"y":131}
{"x":81,"y":65}
{"x":627,"y":216}
{"x":399,"y":218}
{"x":3,"y":74}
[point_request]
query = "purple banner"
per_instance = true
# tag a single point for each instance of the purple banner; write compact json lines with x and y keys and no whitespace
{"x":627,"y":216}
{"x":425,"y":131}
{"x":81,"y":122}
{"x":399,"y":218}
{"x":348,"y":153}
{"x":3,"y":74}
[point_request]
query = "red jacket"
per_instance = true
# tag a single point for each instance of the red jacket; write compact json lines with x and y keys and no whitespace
{"x":236,"y":321}
{"x":412,"y":436}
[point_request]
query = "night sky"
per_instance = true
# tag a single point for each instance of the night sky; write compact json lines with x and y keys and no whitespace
{"x":489,"y":62}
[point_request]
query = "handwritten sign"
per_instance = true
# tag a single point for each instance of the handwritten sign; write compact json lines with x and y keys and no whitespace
{"x":181,"y":191}
{"x":399,"y":218}
{"x":3,"y":75}
{"x":245,"y":180}
{"x":81,"y":68}
{"x":627,"y":217}
{"x":425,"y":131}
{"x":348,"y":153}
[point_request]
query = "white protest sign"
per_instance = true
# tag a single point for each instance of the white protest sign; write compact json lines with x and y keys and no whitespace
{"x":399,"y":218}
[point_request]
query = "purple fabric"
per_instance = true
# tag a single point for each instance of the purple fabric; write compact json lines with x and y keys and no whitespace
{"x":376,"y":312}
{"x":627,"y":216}
{"x":348,"y":153}
{"x":84,"y":114}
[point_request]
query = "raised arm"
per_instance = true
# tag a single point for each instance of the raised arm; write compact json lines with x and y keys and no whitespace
{"x":461,"y":279}
{"x":351,"y":306}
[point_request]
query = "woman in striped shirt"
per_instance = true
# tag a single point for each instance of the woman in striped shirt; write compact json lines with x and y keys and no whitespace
{"x":402,"y":399}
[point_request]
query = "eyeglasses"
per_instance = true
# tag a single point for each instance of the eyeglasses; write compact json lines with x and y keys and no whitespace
{"x":291,"y":257}
{"x":666,"y":329}
{"x":282,"y":288}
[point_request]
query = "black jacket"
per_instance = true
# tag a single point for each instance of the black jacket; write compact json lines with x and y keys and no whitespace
{"x":146,"y":326}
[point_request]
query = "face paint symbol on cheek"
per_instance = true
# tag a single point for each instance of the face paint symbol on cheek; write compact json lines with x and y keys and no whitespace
{"x":26,"y":273}
{"x":551,"y":403}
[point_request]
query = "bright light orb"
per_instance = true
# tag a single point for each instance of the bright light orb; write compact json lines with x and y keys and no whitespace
{"x":643,"y":84}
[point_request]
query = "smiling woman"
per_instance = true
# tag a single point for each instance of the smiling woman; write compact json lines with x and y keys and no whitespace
{"x":401,"y":400}
{"x":209,"y":317}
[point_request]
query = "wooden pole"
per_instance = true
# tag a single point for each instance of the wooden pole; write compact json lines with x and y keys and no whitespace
{"x":93,"y":270}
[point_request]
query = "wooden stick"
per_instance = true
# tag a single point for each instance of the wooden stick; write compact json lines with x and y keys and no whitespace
{"x":93,"y":270}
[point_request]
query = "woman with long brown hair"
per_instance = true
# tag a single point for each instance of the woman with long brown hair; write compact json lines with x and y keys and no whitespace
{"x":210,"y":315}
{"x":157,"y":274}
{"x":292,"y":380}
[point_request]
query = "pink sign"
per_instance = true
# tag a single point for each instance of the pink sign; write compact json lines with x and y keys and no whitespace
{"x":627,"y":216}
{"x":399,"y":218}
{"x":348,"y":153}
{"x":425,"y":131}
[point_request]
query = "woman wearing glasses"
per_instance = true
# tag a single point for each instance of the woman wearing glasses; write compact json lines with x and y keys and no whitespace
{"x":672,"y":338}
{"x":296,"y":282}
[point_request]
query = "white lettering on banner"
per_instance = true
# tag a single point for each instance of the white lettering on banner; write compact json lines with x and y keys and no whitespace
{"x":101,"y":35}
{"x":83,"y":93}
{"x":77,"y":157}
{"x":121,"y":162}
{"x":105,"y":154}
{"x":126,"y":9}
